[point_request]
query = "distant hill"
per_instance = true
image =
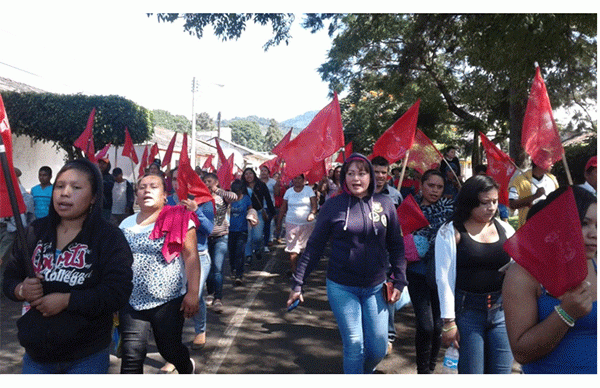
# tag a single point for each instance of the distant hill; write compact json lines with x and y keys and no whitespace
{"x":298,"y":123}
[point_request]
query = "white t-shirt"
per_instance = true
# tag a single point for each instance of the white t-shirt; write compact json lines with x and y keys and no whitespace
{"x":119,"y":197}
{"x":271,"y":186}
{"x":298,"y":205}
{"x":546,"y":182}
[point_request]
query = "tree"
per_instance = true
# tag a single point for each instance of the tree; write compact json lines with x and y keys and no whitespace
{"x":273,"y":135}
{"x":61,"y":119}
{"x":177,"y":123}
{"x":247,"y":134}
{"x":204,"y":122}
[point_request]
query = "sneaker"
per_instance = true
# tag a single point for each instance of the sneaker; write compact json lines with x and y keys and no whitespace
{"x":238,"y":282}
{"x":199,"y":341}
{"x":168,"y":368}
{"x":389,"y":348}
{"x":193,"y":365}
{"x":217,"y":306}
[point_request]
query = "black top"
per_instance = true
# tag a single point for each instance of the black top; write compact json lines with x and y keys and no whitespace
{"x":477,"y":263}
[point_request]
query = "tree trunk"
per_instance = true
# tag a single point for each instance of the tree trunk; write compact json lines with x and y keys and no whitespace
{"x":516,"y":114}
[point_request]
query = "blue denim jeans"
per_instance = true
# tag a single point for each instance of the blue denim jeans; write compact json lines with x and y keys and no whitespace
{"x":217,"y":249}
{"x":362,"y":317}
{"x":96,"y":363}
{"x":200,"y":317}
{"x":484,"y":346}
{"x":235,"y":247}
{"x":393,"y":308}
{"x":255,"y":236}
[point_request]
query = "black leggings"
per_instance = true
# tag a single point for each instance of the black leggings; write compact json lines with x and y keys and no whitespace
{"x":166,"y":322}
{"x":428,"y":337}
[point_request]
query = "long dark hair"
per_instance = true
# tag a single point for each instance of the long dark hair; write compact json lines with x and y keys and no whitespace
{"x":468,"y":196}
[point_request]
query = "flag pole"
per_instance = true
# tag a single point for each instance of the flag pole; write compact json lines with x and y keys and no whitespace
{"x":22,"y":240}
{"x":453,"y":173}
{"x":404,"y":163}
{"x":569,"y":179}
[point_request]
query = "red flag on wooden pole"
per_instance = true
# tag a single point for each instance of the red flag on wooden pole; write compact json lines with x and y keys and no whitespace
{"x":411,"y":216}
{"x":320,"y":139}
{"x":8,"y":178}
{"x":190,"y":184}
{"x":539,"y":135}
{"x":499,"y":166}
{"x":222,"y":158}
{"x":225,"y":173}
{"x":398,"y":138}
{"x":183,"y":155}
{"x":102,"y":153}
{"x":550,"y":245}
{"x":129,"y":149}
{"x":169,"y":152}
{"x":423,"y":154}
{"x":85,"y":142}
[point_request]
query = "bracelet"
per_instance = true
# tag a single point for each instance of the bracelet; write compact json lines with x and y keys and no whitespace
{"x":566,"y":318}
{"x":448,"y":320}
{"x":448,"y":329}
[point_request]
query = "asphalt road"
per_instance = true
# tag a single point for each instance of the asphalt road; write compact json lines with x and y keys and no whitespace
{"x":254,"y":334}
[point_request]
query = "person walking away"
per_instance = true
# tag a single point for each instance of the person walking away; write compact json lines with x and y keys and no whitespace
{"x":549,"y":334}
{"x":365,"y":239}
{"x":42,"y":193}
{"x":468,"y":257}
{"x":82,"y":276}
{"x":421,"y":274}
{"x":238,"y":231}
{"x":166,"y":278}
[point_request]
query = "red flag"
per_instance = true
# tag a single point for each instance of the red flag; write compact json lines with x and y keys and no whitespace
{"x":411,"y":216}
{"x":102,"y":153}
{"x":208,"y":166}
{"x":183,"y":155}
{"x":5,"y":206}
{"x":500,"y":167}
{"x":316,"y":172}
{"x":128,"y":149}
{"x":144,"y":161}
{"x":282,"y":143}
{"x":153,"y":153}
{"x":85,"y":142}
{"x":169,"y":152}
{"x":225,"y":173}
{"x":550,"y":245}
{"x":222,"y":158}
{"x":423,"y":154}
{"x":539,"y":135}
{"x":347,"y":152}
{"x":320,"y":139}
{"x":398,"y":138}
{"x":189,"y":183}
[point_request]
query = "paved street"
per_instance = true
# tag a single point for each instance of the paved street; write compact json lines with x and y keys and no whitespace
{"x":255,"y":334}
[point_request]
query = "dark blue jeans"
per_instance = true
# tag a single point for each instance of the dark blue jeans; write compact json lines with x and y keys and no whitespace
{"x":484,"y":346}
{"x":93,"y":364}
{"x":217,"y":249}
{"x":236,"y":247}
{"x":166,"y":322}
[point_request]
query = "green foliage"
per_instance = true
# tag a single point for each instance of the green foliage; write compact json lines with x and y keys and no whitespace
{"x":273,"y":135}
{"x":247,"y":134}
{"x":61,"y":119}
{"x":177,"y":123}
{"x":577,"y":156}
{"x":205,"y":123}
{"x":262,"y":122}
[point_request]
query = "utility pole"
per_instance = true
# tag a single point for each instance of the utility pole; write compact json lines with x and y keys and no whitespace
{"x":193,"y":157}
{"x":219,"y":126}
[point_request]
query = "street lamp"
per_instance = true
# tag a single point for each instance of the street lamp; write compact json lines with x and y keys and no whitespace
{"x":194,"y":91}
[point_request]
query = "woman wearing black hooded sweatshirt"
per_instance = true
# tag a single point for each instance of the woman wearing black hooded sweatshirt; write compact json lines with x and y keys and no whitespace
{"x":74,"y":273}
{"x":365,"y":241}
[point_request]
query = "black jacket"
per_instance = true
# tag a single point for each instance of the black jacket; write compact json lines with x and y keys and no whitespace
{"x":95,"y":268}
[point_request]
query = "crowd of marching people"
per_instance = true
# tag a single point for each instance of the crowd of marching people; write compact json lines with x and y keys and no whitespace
{"x":106,"y":254}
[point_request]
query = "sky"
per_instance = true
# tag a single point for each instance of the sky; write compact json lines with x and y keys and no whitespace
{"x":127,"y":53}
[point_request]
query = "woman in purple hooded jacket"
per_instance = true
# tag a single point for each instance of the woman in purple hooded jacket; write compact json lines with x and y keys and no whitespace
{"x":366,"y":240}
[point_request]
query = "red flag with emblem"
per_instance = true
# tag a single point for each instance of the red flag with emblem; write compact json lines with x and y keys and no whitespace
{"x":423,"y":154}
{"x":169,"y":152}
{"x":129,"y":149}
{"x":539,"y":135}
{"x":144,"y":161}
{"x":550,"y":245}
{"x":320,"y":139}
{"x":85,"y":141}
{"x":5,"y":206}
{"x":500,"y":167}
{"x":398,"y":138}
